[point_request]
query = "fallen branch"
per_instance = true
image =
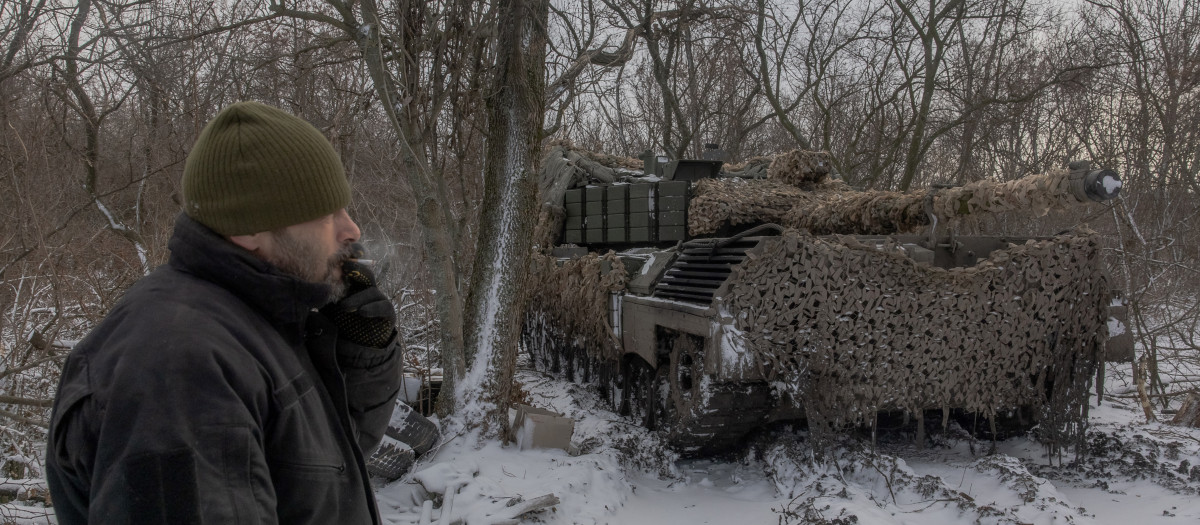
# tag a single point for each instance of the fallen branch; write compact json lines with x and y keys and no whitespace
{"x":1166,"y":394}
{"x":517,"y":508}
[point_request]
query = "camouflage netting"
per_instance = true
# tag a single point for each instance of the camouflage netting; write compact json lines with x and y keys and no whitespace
{"x":565,"y":308}
{"x":801,"y":168}
{"x":851,"y":330}
{"x":886,"y":212}
{"x":793,"y":179}
{"x":548,"y":228}
{"x":604,"y":159}
{"x":860,"y":213}
{"x":717,"y":203}
{"x":799,"y":193}
{"x":751,"y":168}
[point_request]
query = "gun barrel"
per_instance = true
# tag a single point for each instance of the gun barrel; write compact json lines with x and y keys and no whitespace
{"x":1095,"y":185}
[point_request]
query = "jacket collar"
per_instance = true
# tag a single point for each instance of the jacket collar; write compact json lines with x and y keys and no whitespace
{"x":283,"y":299}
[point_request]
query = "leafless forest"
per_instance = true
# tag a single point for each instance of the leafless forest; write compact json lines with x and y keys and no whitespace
{"x":100,"y":101}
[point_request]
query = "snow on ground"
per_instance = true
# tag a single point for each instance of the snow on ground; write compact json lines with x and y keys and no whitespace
{"x":1139,"y":473}
{"x":1147,"y":474}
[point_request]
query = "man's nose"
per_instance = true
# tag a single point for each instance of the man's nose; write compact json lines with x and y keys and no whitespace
{"x":347,"y":230}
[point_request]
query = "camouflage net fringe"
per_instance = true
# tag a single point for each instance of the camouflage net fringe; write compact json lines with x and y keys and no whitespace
{"x":567,"y":303}
{"x":851,"y":330}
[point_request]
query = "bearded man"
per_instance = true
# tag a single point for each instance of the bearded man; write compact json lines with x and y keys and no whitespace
{"x":244,"y":381}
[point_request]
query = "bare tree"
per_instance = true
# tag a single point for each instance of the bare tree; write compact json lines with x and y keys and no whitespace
{"x":1151,"y":99}
{"x":23,"y":44}
{"x":417,"y":55}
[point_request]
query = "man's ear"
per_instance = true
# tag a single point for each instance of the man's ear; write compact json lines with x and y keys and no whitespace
{"x":252,"y":243}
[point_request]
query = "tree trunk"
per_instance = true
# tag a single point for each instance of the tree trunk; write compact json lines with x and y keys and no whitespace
{"x":495,"y":305}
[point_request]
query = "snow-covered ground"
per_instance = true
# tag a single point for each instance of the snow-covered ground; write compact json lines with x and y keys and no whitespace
{"x":1137,"y":473}
{"x":1145,"y":474}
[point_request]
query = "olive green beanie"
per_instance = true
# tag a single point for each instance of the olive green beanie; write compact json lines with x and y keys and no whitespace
{"x":256,"y":168}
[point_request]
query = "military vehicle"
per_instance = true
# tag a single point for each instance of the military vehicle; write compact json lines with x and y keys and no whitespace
{"x":707,"y":300}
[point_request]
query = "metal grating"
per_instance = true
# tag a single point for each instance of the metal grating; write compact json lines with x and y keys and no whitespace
{"x":702,"y":267}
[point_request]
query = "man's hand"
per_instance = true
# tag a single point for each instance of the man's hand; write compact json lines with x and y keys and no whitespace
{"x":364,"y":316}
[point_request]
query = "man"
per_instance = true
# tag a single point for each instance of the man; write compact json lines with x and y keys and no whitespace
{"x":216,"y":391}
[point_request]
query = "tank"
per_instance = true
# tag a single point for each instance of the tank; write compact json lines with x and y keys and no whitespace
{"x":706,"y":301}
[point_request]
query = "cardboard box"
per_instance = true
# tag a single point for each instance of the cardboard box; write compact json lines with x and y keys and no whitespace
{"x":540,"y":428}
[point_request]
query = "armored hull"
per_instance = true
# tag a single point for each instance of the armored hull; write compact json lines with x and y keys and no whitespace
{"x":707,"y":338}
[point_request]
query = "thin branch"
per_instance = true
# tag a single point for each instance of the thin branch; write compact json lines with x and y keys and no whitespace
{"x":23,"y":419}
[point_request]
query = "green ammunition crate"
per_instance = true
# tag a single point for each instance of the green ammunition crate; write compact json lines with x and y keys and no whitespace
{"x":639,"y":205}
{"x":617,"y":192}
{"x":615,"y":206}
{"x":672,"y":218}
{"x":671,"y":233}
{"x":639,"y":235}
{"x":593,"y":194}
{"x":593,"y":236}
{"x":617,"y":235}
{"x":573,"y":237}
{"x":593,"y":222}
{"x":575,"y":195}
{"x":677,"y":188}
{"x":615,"y":220}
{"x":672,"y":204}
{"x":593,"y":207}
{"x":639,"y":220}
{"x":640,"y":191}
{"x":574,"y":208}
{"x":574,"y":222}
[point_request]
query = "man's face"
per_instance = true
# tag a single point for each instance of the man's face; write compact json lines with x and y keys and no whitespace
{"x":313,"y":251}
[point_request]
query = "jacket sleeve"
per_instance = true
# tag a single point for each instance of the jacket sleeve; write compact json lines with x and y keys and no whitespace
{"x":178,"y":441}
{"x":373,"y":377}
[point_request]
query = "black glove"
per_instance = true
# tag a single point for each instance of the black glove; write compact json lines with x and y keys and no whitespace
{"x":364,"y":316}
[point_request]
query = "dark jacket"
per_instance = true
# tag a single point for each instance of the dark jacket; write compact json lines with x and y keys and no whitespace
{"x":214,"y":393}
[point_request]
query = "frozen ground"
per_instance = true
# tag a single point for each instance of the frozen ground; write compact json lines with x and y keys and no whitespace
{"x":1138,"y":473}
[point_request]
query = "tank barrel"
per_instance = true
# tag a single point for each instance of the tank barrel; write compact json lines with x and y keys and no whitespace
{"x":800,"y":194}
{"x":1092,"y":185}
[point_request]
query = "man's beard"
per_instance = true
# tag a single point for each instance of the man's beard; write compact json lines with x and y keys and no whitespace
{"x":299,"y":258}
